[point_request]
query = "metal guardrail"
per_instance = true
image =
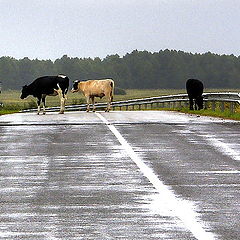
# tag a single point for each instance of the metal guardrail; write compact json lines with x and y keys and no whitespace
{"x":169,"y":101}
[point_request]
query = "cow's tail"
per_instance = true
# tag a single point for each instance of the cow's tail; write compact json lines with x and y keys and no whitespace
{"x":112,"y":91}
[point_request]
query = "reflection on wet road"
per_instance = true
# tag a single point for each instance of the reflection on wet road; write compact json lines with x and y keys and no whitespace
{"x":69,"y":177}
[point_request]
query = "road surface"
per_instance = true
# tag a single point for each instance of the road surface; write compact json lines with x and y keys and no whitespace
{"x":119,"y":175}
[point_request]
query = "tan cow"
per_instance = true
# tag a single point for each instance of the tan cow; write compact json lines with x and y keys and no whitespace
{"x":95,"y":88}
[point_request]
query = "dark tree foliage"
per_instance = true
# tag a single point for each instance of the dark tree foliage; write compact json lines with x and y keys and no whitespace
{"x":139,"y":69}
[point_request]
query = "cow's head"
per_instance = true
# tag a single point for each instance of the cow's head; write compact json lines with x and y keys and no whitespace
{"x":199,"y":102}
{"x":75,"y":86}
{"x":25,"y":92}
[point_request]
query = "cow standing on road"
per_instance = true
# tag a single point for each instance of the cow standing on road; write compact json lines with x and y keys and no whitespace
{"x":47,"y":86}
{"x":195,"y":90}
{"x":95,"y":88}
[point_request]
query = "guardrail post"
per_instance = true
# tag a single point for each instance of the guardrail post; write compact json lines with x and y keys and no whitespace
{"x":180,"y":104}
{"x":222,"y":106}
{"x":145,"y":106}
{"x":205,"y":105}
{"x":232,"y":107}
{"x":126,"y":107}
{"x":139,"y":107}
{"x":173,"y":105}
{"x":213,"y":105}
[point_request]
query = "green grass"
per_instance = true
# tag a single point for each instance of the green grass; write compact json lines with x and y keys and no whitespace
{"x":3,"y":111}
{"x":207,"y":112}
{"x":13,"y":103}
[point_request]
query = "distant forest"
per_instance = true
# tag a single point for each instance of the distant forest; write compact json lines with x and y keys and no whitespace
{"x":137,"y":70}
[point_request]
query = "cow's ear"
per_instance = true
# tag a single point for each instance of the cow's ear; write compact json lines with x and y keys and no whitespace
{"x":24,"y":86}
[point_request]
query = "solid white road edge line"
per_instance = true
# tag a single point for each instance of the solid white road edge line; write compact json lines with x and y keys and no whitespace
{"x":179,"y":207}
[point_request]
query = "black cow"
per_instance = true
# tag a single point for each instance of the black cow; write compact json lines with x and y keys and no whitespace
{"x":47,"y":86}
{"x":195,"y":90}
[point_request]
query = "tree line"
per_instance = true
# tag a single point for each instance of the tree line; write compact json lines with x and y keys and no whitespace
{"x":168,"y":69}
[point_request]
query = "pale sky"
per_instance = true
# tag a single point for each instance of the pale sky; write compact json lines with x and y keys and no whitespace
{"x":48,"y":29}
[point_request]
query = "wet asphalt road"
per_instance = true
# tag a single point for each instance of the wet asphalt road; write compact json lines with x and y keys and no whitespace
{"x":119,"y":175}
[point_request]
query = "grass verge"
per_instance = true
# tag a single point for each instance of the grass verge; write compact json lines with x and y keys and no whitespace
{"x":210,"y":113}
{"x":3,"y":111}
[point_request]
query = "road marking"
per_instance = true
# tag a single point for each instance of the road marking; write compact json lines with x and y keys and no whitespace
{"x":179,"y":207}
{"x":222,"y":147}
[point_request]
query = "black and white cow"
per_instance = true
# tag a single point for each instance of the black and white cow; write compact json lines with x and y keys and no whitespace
{"x":195,"y":90}
{"x":47,"y":86}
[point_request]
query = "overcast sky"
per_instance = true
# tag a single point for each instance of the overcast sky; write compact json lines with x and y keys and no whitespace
{"x":48,"y":29}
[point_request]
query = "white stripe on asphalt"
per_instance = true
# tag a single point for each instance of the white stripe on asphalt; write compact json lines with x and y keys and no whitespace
{"x":222,"y":147}
{"x":179,"y":207}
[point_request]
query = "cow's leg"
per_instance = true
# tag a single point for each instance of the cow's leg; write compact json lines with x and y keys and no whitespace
{"x":191,"y":103}
{"x":62,"y":100}
{"x":199,"y":103}
{"x":62,"y":107}
{"x":195,"y":104}
{"x":39,"y":105}
{"x":44,"y":104}
{"x":88,"y":103}
{"x":108,"y":104}
{"x":93,"y":103}
{"x":62,"y":97}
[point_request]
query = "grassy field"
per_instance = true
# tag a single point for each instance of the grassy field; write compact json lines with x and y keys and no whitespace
{"x":11,"y":99}
{"x":13,"y":103}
